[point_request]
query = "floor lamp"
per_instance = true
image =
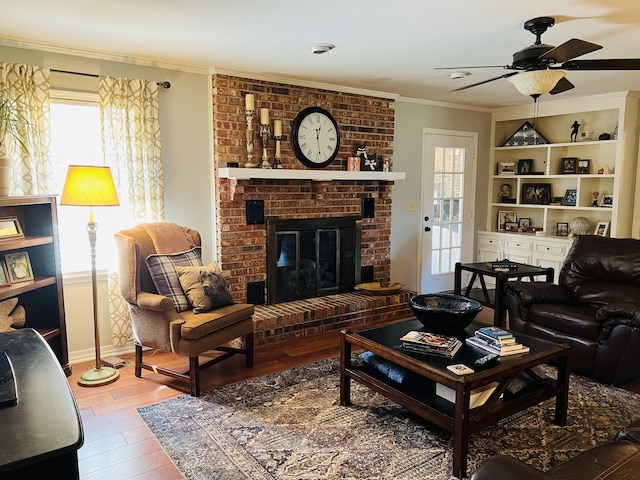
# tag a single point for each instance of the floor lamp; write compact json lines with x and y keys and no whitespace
{"x":92,"y":186}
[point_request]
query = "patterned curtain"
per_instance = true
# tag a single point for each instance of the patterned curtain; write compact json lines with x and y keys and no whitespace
{"x":31,"y":172}
{"x":131,"y":141}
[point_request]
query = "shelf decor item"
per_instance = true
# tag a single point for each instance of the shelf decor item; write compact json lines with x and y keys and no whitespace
{"x":570,"y":197}
{"x":536,"y":193}
{"x":525,"y":135}
{"x":602,"y":228}
{"x":508,"y":168}
{"x":584,"y":166}
{"x":562,"y":229}
{"x":92,"y":186}
{"x":568,"y":165}
{"x":579,"y":226}
{"x":19,"y":266}
{"x":10,"y":228}
{"x":525,"y":166}
{"x":607,"y":200}
{"x":504,"y":217}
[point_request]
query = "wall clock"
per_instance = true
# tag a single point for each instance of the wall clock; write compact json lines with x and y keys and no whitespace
{"x":315,"y":137}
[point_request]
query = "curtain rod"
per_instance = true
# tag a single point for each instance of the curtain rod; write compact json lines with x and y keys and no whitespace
{"x":166,"y":85}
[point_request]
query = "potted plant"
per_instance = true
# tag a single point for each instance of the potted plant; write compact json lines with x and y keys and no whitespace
{"x":12,"y":124}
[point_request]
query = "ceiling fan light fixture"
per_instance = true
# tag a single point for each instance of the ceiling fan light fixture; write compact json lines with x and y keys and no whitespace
{"x":536,"y":82}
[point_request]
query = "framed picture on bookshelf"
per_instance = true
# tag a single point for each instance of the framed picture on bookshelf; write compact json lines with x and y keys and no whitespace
{"x":524,"y":222}
{"x":511,"y":227}
{"x":18,"y":266}
{"x":568,"y":165}
{"x":525,"y":166}
{"x":602,"y":228}
{"x":584,"y":166}
{"x":4,"y":277}
{"x":10,"y":228}
{"x":569,"y":198}
{"x":562,"y":229}
{"x":536,"y":193}
{"x":506,"y":168}
{"x":607,"y":200}
{"x":504,"y":217}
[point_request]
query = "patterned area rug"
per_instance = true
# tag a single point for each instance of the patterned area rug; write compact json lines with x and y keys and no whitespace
{"x":290,"y":426}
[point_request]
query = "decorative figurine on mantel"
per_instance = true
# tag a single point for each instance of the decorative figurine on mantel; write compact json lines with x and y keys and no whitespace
{"x":368,"y":161}
{"x":575,"y":126}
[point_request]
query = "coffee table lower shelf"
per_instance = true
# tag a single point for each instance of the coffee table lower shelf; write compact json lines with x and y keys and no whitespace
{"x":456,"y":418}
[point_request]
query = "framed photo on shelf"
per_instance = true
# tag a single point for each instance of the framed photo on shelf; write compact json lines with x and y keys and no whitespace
{"x":504,"y":217}
{"x":4,"y":278}
{"x":10,"y":228}
{"x":570,"y":197}
{"x":524,"y":222}
{"x":536,"y":193}
{"x":602,"y":228}
{"x":511,"y":227}
{"x":562,"y":229}
{"x":584,"y":166}
{"x":508,"y":168}
{"x":18,"y":267}
{"x":568,"y":165}
{"x":525,"y":166}
{"x":607,"y":200}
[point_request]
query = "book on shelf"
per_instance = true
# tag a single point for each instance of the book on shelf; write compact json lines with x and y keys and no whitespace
{"x":495,"y":332}
{"x":411,"y":347}
{"x":494,"y":349}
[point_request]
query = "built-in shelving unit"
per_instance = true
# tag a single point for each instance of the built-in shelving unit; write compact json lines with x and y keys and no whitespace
{"x":42,"y":297}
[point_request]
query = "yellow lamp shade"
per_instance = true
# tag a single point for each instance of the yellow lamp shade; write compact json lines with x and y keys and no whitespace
{"x":88,"y":185}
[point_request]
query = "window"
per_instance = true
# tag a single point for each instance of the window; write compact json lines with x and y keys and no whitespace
{"x":76,"y":140}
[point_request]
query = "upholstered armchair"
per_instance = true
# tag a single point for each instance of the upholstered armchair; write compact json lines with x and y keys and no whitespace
{"x":161,"y":279}
{"x":595,"y":308}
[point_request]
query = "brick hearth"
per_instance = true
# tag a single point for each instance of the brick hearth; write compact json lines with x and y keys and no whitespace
{"x":301,"y":318}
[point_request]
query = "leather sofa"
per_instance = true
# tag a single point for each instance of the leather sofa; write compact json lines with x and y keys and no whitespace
{"x":595,"y":308}
{"x":619,"y":459}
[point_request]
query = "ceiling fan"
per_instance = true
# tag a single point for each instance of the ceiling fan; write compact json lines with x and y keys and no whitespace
{"x":540,"y":68}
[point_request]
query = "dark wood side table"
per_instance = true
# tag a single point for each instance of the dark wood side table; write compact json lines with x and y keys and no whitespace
{"x":43,"y":432}
{"x":481,"y":270}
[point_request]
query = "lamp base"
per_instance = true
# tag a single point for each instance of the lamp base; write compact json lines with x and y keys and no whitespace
{"x":98,"y":376}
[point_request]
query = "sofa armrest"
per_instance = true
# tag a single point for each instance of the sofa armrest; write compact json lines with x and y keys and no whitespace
{"x":155,"y":302}
{"x":504,"y":467}
{"x":530,"y":293}
{"x":614,"y":314}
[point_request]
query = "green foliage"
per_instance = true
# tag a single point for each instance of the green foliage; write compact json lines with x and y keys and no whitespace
{"x":12,"y":121}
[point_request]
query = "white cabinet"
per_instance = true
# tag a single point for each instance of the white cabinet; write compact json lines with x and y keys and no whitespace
{"x":540,"y":251}
{"x":611,"y":167}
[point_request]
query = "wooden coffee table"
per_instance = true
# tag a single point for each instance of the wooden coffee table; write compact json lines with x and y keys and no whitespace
{"x":457,"y":418}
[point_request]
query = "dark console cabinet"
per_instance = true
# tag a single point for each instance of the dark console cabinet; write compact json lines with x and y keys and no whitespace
{"x":42,"y":297}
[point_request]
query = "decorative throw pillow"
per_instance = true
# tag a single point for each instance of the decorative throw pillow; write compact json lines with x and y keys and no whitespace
{"x":189,"y":278}
{"x":162,"y":268}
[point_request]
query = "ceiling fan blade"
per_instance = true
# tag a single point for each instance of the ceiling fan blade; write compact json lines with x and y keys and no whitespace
{"x":475,"y":66}
{"x":562,"y":86}
{"x":506,"y":75}
{"x":570,"y":49}
{"x":605,"y":64}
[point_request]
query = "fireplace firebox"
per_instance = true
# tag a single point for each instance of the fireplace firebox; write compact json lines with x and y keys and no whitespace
{"x":312,"y":257}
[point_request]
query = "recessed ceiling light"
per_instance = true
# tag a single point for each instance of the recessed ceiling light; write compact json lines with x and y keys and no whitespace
{"x":458,"y":74}
{"x":320,"y":48}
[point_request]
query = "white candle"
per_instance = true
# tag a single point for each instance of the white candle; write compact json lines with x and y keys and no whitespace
{"x":277,"y":128}
{"x":264,"y":116}
{"x":277,"y":148}
{"x":250,"y":102}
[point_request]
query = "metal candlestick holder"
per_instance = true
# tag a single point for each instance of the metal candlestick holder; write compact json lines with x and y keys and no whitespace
{"x":277,"y":163}
{"x":265,"y":133}
{"x":249,"y":117}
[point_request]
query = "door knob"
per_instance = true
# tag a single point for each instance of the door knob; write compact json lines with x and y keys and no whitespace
{"x":426,"y":219}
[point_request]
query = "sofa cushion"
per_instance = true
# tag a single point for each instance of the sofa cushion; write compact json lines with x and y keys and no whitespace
{"x":191,"y":280}
{"x":162,"y":268}
{"x":600,"y":292}
{"x":577,"y":320}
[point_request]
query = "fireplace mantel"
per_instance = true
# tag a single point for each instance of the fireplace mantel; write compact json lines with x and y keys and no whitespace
{"x":313,"y":175}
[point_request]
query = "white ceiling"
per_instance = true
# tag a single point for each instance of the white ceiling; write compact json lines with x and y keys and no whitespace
{"x":385,"y":46}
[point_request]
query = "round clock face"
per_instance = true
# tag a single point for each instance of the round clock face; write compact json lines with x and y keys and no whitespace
{"x":315,"y":137}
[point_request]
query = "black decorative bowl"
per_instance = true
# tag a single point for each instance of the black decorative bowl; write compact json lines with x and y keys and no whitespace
{"x":445,"y":314}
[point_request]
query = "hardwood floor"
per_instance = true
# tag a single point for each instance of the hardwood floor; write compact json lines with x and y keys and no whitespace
{"x":118,"y":445}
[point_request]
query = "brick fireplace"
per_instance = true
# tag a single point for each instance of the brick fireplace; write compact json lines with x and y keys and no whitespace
{"x":242,"y":247}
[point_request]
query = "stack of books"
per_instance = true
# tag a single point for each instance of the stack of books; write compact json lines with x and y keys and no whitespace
{"x":497,"y":340}
{"x":430,"y":343}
